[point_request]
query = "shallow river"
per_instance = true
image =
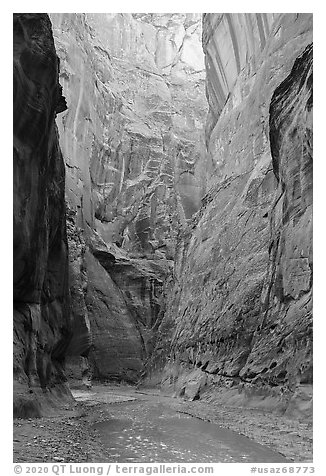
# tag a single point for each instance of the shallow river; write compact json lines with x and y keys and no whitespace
{"x":150,"y":431}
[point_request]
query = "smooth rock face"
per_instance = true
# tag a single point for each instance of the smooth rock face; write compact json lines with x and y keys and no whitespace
{"x":117,"y":346}
{"x":133,"y":142}
{"x":42,"y":327}
{"x":240,"y":307}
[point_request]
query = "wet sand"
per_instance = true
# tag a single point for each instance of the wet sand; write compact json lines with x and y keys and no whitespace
{"x":122,"y":424}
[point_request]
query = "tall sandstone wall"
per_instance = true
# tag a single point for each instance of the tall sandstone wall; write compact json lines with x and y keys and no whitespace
{"x":238,"y":315}
{"x":133,"y":143}
{"x":42,"y":327}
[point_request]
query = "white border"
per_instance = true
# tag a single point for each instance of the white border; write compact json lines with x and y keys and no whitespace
{"x":319,"y":183}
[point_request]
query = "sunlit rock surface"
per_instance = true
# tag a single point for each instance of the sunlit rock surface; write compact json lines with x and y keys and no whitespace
{"x":42,"y":327}
{"x":239,"y":312}
{"x":133,"y":142}
{"x":233,"y":44}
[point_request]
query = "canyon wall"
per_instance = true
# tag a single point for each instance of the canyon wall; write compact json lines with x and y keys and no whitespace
{"x":145,"y":195}
{"x":239,"y":309}
{"x":133,"y":143}
{"x":42,"y":327}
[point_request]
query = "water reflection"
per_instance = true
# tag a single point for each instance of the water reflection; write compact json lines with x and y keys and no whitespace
{"x":150,"y":432}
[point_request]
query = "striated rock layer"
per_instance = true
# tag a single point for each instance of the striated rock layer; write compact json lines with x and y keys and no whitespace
{"x":42,"y":327}
{"x":239,"y":311}
{"x":133,"y":142}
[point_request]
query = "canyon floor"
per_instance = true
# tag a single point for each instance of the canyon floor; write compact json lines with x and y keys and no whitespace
{"x":120,"y":423}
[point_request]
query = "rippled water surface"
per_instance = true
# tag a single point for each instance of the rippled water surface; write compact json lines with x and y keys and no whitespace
{"x":151,"y":432}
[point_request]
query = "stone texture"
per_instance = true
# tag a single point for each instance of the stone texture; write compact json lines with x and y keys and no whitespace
{"x":132,"y":137}
{"x":240,"y":307}
{"x":117,"y":350}
{"x":285,"y":332}
{"x":233,"y":45}
{"x":42,"y":327}
{"x":133,"y":142}
{"x":234,"y":321}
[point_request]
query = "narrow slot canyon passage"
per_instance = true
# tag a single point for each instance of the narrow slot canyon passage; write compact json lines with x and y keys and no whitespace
{"x":162,"y":237}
